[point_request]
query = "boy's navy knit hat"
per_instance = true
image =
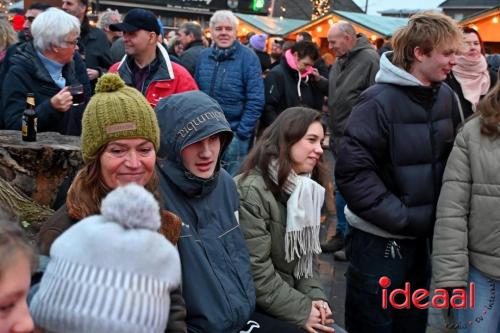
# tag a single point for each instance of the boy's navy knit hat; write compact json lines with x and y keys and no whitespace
{"x":110,"y":273}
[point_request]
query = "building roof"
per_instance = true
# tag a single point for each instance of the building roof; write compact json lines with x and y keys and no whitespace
{"x":384,"y":25}
{"x":468,"y":3}
{"x":273,"y":26}
{"x":346,"y":5}
{"x":403,"y":11}
{"x":302,"y":9}
{"x":477,"y":15}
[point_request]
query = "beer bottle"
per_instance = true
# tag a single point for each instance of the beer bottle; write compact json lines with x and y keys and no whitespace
{"x":29,"y":119}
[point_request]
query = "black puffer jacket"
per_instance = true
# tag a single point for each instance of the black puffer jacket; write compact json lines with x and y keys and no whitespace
{"x":394,"y":152}
{"x":28,"y":74}
{"x":281,"y":92}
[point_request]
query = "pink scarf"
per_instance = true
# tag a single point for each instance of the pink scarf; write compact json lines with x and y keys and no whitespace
{"x":473,"y":77}
{"x":291,"y":62}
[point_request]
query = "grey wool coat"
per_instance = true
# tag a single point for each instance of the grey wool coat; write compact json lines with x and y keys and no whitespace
{"x":467,"y":231}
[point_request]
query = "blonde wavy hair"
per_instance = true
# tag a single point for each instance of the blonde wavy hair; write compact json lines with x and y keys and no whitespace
{"x":427,"y":30}
{"x":8,"y":35}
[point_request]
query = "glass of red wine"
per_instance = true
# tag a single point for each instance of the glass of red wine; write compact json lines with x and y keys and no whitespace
{"x":76,"y":91}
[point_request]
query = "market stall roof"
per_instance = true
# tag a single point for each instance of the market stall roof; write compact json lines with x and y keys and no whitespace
{"x":273,"y":26}
{"x":482,"y":14}
{"x":382,"y":25}
{"x":487,"y":23}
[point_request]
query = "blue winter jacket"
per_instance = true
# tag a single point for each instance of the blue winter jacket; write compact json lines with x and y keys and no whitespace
{"x":217,"y":282}
{"x":233,"y":77}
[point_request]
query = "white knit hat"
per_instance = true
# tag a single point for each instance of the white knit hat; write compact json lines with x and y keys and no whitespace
{"x":111,"y":272}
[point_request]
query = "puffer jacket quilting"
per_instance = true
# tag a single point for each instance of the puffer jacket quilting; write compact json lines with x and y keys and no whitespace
{"x":467,"y":230}
{"x":235,"y":82}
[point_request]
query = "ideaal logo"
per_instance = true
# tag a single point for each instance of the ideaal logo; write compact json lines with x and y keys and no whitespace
{"x":441,"y":299}
{"x":459,"y":299}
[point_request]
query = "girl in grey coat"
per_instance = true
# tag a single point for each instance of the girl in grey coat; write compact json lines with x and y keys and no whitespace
{"x":467,"y":231}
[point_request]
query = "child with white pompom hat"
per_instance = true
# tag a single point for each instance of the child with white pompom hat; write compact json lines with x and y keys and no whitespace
{"x":111,"y":272}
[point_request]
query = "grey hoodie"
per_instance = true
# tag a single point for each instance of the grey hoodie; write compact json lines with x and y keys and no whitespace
{"x":390,"y":73}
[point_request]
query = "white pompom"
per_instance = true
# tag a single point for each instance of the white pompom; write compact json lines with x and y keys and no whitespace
{"x":133,"y":207}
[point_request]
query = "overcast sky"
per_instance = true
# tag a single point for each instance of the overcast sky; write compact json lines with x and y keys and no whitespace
{"x":377,"y":5}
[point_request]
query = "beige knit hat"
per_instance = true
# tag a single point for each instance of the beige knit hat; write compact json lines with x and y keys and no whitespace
{"x":116,"y":111}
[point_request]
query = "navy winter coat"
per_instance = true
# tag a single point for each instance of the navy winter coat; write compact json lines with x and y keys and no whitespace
{"x":217,"y":282}
{"x":232,"y":77}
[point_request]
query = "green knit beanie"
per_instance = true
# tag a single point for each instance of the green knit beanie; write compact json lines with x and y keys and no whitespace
{"x":116,"y":111}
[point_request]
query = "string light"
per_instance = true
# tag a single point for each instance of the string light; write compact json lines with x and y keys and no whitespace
{"x":282,"y":10}
{"x":320,"y":8}
{"x":4,"y":6}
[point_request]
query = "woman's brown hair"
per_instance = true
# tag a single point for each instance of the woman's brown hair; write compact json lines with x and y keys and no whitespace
{"x":489,"y":109}
{"x":468,"y":30}
{"x":276,"y":143}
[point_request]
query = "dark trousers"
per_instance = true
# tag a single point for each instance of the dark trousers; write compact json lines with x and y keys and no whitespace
{"x":262,"y":323}
{"x":372,"y":257}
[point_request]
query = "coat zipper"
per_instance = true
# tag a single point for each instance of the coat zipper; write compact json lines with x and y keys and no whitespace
{"x":212,"y":83}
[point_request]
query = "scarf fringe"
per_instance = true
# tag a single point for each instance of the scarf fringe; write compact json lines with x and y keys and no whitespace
{"x":303,"y":220}
{"x":302,"y":244}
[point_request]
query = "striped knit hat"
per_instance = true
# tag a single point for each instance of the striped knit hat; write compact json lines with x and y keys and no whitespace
{"x":110,"y":273}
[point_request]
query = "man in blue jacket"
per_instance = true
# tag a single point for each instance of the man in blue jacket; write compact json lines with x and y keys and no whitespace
{"x":389,"y":169}
{"x":231,"y":74}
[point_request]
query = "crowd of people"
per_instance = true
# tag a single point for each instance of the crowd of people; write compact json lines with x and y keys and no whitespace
{"x":208,"y":166}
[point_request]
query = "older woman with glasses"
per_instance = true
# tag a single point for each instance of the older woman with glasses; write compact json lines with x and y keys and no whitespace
{"x":46,"y":67}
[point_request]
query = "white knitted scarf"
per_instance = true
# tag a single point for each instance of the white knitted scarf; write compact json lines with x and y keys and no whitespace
{"x":302,"y":219}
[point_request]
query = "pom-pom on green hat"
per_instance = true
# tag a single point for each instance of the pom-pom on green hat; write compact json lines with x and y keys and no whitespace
{"x":116,"y":111}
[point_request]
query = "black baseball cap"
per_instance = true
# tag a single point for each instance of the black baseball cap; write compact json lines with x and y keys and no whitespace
{"x":137,"y":19}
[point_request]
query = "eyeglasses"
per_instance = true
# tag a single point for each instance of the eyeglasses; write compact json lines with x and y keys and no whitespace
{"x":30,"y":18}
{"x":72,"y":42}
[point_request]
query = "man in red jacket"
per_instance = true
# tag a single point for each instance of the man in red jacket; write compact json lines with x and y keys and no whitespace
{"x":146,"y":65}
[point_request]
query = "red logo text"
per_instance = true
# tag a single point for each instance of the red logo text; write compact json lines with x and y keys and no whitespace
{"x":441,"y":299}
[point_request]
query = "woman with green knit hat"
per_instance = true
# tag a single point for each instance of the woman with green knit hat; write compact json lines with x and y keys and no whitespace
{"x":119,"y":141}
